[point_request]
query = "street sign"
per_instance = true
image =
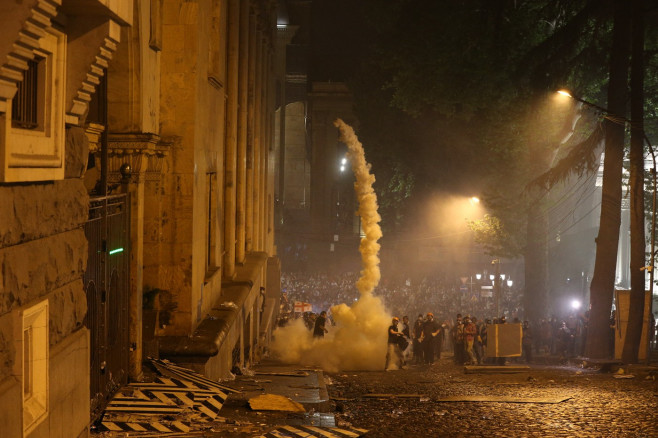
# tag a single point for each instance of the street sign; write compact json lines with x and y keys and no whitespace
{"x":463,"y":288}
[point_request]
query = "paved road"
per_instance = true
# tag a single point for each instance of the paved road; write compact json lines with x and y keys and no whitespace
{"x":598,"y":405}
{"x":543,"y":401}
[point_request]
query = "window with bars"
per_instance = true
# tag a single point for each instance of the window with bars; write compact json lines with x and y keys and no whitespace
{"x":25,"y":109}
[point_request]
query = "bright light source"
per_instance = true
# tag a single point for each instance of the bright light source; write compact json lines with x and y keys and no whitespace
{"x":475,"y":200}
{"x":491,"y":277}
{"x":281,"y":26}
{"x":343,"y":161}
{"x":502,"y":276}
{"x":342,"y":168}
{"x":575,"y":304}
{"x":509,"y":283}
{"x":564,"y":93}
{"x":478,"y":276}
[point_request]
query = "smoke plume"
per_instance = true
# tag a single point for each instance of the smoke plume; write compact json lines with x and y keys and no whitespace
{"x":358,"y":340}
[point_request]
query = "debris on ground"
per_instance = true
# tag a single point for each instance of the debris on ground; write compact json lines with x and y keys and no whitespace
{"x":272,"y":402}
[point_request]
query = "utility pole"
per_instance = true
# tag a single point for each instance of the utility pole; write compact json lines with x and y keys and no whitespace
{"x":497,"y":285}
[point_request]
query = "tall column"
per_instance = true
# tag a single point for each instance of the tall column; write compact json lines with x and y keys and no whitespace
{"x":249,"y":210}
{"x":268,"y":136}
{"x":258,"y":144}
{"x":242,"y":130}
{"x":262,"y":148}
{"x":230,"y":159}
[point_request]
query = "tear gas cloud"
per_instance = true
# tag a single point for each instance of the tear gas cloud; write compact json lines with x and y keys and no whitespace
{"x":358,"y":340}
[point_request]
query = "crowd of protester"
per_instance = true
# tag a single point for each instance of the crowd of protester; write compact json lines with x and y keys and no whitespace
{"x":401,"y":296}
{"x":427,"y":337}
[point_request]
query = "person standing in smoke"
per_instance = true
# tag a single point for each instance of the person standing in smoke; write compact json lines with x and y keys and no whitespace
{"x":458,"y":340}
{"x":470,"y":332}
{"x":394,"y":353}
{"x":417,"y":334}
{"x":431,"y":329}
{"x":319,"y":328}
{"x":407,"y":337}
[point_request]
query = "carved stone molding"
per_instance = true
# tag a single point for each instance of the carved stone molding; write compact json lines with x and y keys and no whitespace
{"x":23,"y":48}
{"x":89,"y":55}
{"x":93,"y":132}
{"x":143,"y":152}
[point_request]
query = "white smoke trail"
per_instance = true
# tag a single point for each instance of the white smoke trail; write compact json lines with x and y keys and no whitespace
{"x":358,"y":341}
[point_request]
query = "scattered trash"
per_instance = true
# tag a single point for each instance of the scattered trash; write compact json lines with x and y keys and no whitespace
{"x":440,"y":412}
{"x":624,"y":376}
{"x":424,"y":399}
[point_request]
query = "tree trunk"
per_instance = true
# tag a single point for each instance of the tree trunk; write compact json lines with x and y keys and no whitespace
{"x":638,"y":242}
{"x":603,"y":279}
{"x":535,"y":302}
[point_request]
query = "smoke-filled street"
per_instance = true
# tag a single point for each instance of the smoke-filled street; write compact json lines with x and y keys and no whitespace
{"x":524,"y":404}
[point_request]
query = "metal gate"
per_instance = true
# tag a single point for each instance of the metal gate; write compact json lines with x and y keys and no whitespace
{"x":107,"y":287}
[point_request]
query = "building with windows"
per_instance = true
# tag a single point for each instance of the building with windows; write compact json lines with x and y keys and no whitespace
{"x":136,"y":198}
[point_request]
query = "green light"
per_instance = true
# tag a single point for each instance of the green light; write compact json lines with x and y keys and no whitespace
{"x":114,"y":251}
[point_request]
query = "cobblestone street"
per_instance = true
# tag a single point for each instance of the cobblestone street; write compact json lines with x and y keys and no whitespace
{"x":598,"y":404}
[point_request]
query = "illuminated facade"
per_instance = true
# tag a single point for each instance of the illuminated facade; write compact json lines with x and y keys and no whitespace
{"x":136,"y":193}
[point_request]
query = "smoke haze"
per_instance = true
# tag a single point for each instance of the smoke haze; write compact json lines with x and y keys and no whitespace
{"x":358,"y":340}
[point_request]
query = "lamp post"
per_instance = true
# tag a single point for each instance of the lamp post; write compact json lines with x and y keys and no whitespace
{"x":497,"y":285}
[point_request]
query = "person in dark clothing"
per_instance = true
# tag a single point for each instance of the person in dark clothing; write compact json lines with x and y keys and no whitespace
{"x":319,"y":328}
{"x":613,"y":331}
{"x":565,"y":339}
{"x":407,"y":338}
{"x":417,"y":333}
{"x":394,"y":352}
{"x":458,"y":340}
{"x":431,"y":330}
{"x":526,"y":341}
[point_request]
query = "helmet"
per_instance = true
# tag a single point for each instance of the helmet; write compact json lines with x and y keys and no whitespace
{"x":430,"y":314}
{"x":395,"y":318}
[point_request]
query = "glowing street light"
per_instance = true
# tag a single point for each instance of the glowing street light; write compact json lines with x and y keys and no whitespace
{"x":607,"y":113}
{"x":575,"y":304}
{"x":509,"y":283}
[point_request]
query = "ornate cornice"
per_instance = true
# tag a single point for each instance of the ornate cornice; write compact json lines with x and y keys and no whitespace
{"x":144,"y":153}
{"x":106,"y":38}
{"x":34,"y":28}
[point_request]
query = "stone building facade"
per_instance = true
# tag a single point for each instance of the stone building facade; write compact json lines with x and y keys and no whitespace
{"x":136,"y":198}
